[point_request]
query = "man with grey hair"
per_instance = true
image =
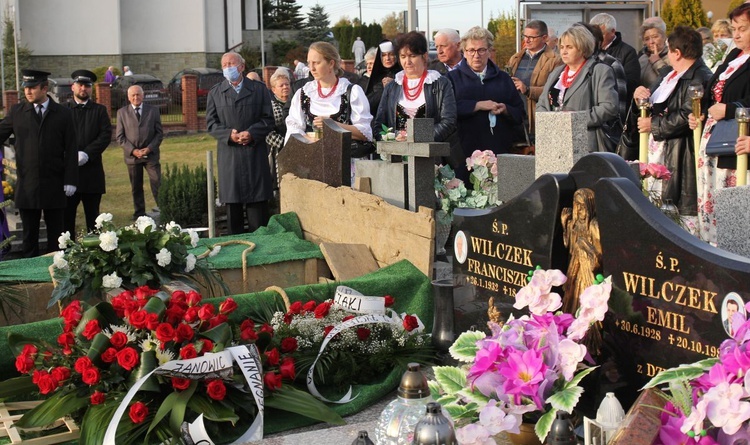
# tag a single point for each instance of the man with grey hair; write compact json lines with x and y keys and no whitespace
{"x":615,"y":47}
{"x":240,"y":116}
{"x":448,"y":45}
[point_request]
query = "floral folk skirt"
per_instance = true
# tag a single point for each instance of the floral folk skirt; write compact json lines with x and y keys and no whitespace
{"x":710,"y":178}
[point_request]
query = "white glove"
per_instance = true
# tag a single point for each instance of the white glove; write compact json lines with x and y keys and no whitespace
{"x":69,"y":190}
{"x":82,"y":158}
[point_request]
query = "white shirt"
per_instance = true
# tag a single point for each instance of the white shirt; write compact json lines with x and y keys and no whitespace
{"x":360,"y":108}
{"x":411,"y":106}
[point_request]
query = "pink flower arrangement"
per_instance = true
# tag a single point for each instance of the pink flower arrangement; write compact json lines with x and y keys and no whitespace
{"x":655,"y":170}
{"x":531,"y":364}
{"x":709,"y":401}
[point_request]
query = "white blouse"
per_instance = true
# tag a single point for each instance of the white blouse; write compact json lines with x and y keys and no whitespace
{"x":319,"y":106}
{"x":411,"y":106}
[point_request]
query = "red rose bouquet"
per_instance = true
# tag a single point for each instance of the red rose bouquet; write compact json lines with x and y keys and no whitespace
{"x":344,"y":347}
{"x":146,"y":366}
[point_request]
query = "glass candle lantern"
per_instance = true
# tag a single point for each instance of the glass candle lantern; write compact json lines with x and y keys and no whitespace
{"x":397,"y":421}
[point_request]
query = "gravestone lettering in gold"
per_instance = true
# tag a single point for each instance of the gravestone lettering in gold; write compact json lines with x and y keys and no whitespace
{"x":501,"y":251}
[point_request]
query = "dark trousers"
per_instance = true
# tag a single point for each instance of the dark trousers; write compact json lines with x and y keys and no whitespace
{"x":136,"y":184}
{"x":257,"y":216}
{"x":90,"y":202}
{"x":30,"y":218}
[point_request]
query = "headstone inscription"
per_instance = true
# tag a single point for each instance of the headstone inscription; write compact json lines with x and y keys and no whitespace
{"x":495,"y":249}
{"x":326,"y":160}
{"x":673,"y":295}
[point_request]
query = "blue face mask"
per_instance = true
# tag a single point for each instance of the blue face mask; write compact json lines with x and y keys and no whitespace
{"x":231,"y":73}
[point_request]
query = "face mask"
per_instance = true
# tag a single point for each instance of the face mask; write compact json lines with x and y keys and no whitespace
{"x":231,"y":73}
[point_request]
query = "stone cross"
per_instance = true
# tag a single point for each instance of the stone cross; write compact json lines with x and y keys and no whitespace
{"x":326,"y":160}
{"x":419,"y":149}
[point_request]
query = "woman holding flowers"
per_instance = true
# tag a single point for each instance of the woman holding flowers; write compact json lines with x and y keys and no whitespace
{"x":671,"y":140}
{"x":416,"y":93}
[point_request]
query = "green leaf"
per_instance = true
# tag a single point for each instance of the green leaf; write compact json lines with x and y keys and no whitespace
{"x":457,"y":411}
{"x":465,"y":347}
{"x":682,"y":372}
{"x":216,"y":412}
{"x":99,"y":344}
{"x":155,"y":306}
{"x":16,"y":387}
{"x":447,"y":400}
{"x":578,"y":377}
{"x":178,"y":409}
{"x":288,"y":398}
{"x":435,"y":389}
{"x":565,"y":399}
{"x":103,"y":312}
{"x":544,"y":424}
{"x":221,"y":334}
{"x":60,"y":404}
{"x":95,"y":422}
{"x":450,"y":378}
{"x":16,"y":342}
{"x":474,"y":396}
{"x":147,"y":364}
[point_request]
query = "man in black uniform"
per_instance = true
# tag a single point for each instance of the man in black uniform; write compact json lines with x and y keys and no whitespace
{"x":46,"y":160}
{"x":93,"y":135}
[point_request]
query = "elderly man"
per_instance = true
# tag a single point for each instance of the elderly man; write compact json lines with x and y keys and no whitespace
{"x":448,"y":45}
{"x":93,"y":134}
{"x":615,"y":47}
{"x":139,"y":133}
{"x":46,"y":159}
{"x":531,"y":66}
{"x":240,"y":116}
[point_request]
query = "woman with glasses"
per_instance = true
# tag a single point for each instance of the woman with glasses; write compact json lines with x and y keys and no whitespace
{"x":416,"y":92}
{"x":583,"y":84}
{"x":488,"y":104}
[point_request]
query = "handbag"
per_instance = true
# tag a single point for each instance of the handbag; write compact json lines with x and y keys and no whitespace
{"x":628,"y":148}
{"x":359,"y":149}
{"x":723,"y":138}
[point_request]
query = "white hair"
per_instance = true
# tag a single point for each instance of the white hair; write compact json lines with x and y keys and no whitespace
{"x":451,"y":34}
{"x":609,"y":22}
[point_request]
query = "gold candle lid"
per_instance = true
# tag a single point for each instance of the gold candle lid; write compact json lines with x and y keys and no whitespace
{"x":413,"y":383}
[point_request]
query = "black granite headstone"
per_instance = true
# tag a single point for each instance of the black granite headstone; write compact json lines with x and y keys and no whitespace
{"x":670,"y":290}
{"x":326,"y":160}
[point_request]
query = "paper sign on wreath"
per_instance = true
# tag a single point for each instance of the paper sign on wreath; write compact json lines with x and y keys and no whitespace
{"x":353,"y":301}
{"x":212,"y":365}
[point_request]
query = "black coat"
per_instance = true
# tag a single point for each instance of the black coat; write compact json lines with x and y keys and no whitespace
{"x":46,"y":154}
{"x":736,"y":89}
{"x":627,"y":55}
{"x":244,"y":174}
{"x":93,"y":135}
{"x":440,"y":104}
{"x":669,"y":122}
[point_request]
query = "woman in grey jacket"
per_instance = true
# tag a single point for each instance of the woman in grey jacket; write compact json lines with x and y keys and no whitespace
{"x":416,"y":93}
{"x":582,"y":84}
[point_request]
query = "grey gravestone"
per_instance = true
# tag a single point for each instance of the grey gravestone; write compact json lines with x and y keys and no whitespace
{"x":732,"y":224}
{"x":387,"y":180}
{"x":327,"y":160}
{"x":515,"y":173}
{"x":561,"y":140}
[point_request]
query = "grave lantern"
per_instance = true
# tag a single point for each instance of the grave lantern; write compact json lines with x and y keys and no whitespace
{"x":609,"y":416}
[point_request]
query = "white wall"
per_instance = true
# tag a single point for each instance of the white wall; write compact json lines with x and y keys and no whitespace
{"x":163,"y":26}
{"x":81,"y":27}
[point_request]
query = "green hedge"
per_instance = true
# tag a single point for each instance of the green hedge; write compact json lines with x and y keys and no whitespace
{"x":183,"y":196}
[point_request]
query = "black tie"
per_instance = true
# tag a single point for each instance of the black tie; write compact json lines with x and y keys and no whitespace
{"x":138,"y":113}
{"x":39,"y":111}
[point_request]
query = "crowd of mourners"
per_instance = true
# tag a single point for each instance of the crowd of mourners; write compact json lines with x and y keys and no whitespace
{"x":478,"y":103}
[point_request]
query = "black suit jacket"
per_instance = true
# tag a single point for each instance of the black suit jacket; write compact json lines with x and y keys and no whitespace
{"x":46,"y":154}
{"x":93,"y":135}
{"x":132,"y":134}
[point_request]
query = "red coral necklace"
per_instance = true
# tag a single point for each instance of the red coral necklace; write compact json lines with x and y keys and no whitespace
{"x":418,"y":89}
{"x":325,"y":96}
{"x":567,"y":80}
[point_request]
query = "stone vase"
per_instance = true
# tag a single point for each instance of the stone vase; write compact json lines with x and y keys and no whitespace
{"x":442,"y":233}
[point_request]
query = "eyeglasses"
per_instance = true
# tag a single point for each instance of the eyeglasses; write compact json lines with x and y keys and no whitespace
{"x":532,"y":37}
{"x":480,"y":51}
